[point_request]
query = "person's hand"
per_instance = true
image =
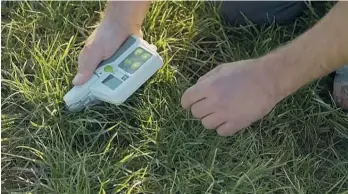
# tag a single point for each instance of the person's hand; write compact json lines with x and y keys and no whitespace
{"x":235,"y":95}
{"x":232,"y":96}
{"x":100,"y":45}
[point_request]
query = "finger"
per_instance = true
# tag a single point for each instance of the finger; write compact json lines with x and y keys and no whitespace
{"x":201,"y":108}
{"x":206,"y":76}
{"x":213,"y":121}
{"x":88,"y":60}
{"x":139,"y":33}
{"x":227,"y":129}
{"x":212,"y":72}
{"x":192,"y":95}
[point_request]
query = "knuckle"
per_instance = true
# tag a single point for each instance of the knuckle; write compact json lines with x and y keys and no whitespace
{"x":184,"y":99}
{"x":219,"y":68}
{"x":84,"y":53}
{"x":223,"y":133}
{"x":195,"y":112}
{"x":88,"y":48}
{"x":227,"y":129}
{"x":182,"y":102}
{"x":207,"y":124}
{"x":200,"y":79}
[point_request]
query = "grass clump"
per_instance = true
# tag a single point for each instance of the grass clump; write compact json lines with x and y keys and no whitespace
{"x":149,"y":144}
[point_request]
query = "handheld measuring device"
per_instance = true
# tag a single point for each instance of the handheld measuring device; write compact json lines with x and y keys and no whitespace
{"x":117,"y":77}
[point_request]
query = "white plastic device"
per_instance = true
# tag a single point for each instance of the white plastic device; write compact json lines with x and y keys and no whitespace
{"x":117,"y":77}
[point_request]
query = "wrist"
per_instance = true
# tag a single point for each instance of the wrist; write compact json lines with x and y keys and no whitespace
{"x":119,"y":24}
{"x":317,"y":52}
{"x":284,"y":71}
{"x":129,"y":14}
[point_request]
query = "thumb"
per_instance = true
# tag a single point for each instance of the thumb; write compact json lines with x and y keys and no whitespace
{"x":88,"y":60}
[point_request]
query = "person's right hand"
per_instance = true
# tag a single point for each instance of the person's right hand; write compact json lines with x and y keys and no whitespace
{"x":233,"y":95}
{"x":100,"y":45}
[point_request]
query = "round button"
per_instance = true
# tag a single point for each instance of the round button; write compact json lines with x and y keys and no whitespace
{"x":127,"y":61}
{"x":145,"y":56}
{"x":138,"y":51}
{"x":109,"y":69}
{"x":135,"y":65}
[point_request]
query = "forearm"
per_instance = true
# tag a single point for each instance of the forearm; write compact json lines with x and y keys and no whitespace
{"x":316,"y":53}
{"x":126,"y":13}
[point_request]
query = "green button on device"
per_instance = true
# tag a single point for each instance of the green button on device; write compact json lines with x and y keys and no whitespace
{"x":109,"y":69}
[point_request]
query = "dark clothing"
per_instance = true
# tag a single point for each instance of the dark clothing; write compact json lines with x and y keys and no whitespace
{"x":260,"y":12}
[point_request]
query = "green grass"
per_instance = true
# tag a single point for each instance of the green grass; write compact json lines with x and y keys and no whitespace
{"x":149,"y":144}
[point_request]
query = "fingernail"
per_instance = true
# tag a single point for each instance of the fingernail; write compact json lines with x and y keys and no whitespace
{"x":77,"y":79}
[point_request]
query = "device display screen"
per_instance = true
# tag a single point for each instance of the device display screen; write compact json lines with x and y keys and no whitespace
{"x":135,"y":60}
{"x":112,"y":82}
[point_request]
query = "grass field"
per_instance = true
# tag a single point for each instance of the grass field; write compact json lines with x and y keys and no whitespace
{"x":149,"y":144}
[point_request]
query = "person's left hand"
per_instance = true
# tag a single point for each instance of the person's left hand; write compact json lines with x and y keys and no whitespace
{"x":232,"y":96}
{"x":101,"y":44}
